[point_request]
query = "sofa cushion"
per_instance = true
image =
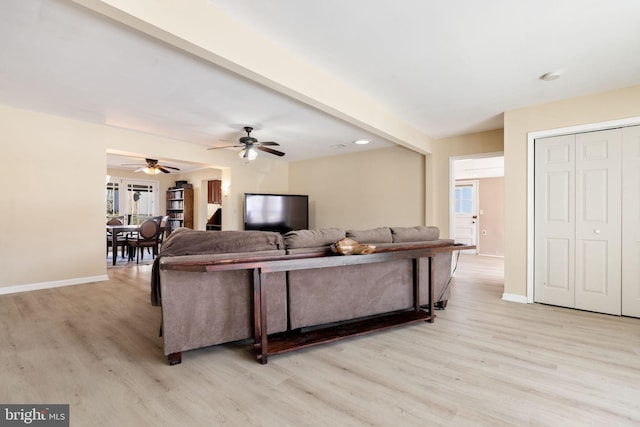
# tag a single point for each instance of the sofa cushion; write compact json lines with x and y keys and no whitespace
{"x":374,"y":235}
{"x":415,"y":234}
{"x":184,"y":241}
{"x":313,"y":238}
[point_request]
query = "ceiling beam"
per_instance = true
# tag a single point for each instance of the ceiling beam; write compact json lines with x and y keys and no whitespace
{"x":201,"y":29}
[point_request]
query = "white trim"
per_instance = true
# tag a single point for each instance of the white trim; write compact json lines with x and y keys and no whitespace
{"x":514,"y":298}
{"x":55,"y":284}
{"x":531,"y":137}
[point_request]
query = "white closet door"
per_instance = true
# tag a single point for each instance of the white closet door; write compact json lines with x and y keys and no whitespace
{"x":631,"y":221}
{"x":554,"y":220}
{"x":598,"y":221}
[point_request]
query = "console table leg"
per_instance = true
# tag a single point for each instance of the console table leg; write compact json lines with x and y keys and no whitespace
{"x":264,"y":346}
{"x":259,"y":317}
{"x":432,"y":281}
{"x":175,"y":358}
{"x":416,"y":284}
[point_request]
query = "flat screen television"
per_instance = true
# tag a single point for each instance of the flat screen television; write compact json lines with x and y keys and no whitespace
{"x":276,"y":212}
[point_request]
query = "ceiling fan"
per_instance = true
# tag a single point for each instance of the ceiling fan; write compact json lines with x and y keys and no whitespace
{"x":152,"y":167}
{"x":249,"y":146}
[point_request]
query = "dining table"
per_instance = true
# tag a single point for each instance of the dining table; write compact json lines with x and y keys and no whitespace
{"x":114,"y":230}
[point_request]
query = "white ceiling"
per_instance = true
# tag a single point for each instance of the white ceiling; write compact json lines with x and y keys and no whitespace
{"x":448,"y":67}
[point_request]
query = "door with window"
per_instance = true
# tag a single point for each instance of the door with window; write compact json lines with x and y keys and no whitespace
{"x":466,"y":217}
{"x":132,"y":200}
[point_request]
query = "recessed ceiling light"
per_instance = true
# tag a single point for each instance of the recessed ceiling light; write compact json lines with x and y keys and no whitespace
{"x":553,"y":75}
{"x":361,"y":141}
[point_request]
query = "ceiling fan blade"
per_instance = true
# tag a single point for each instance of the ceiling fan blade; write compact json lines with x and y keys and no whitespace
{"x":162,"y":169}
{"x":141,"y":169}
{"x":270,"y":150}
{"x":226,"y":146}
{"x":170,"y":167}
{"x":268,"y":143}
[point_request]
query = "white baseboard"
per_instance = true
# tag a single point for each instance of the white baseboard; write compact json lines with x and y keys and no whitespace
{"x":54,"y":284}
{"x":515,"y":298}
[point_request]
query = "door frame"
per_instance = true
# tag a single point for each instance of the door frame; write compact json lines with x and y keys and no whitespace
{"x":452,"y":185}
{"x":531,"y":138}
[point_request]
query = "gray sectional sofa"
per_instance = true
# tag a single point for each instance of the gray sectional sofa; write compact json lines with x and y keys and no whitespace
{"x":204,"y":308}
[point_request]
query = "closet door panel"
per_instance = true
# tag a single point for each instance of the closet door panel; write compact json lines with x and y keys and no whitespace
{"x":557,"y":277}
{"x":554,"y":221}
{"x":598,"y":221}
{"x":631,"y":221}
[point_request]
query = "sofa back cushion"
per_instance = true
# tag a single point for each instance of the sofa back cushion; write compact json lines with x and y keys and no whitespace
{"x":374,"y":235}
{"x":184,"y":241}
{"x":415,"y":234}
{"x":313,"y":238}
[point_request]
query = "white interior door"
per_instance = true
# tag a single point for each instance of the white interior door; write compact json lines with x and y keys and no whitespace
{"x":631,"y":221}
{"x":554,"y":199}
{"x":598,"y":221}
{"x":466,"y":215}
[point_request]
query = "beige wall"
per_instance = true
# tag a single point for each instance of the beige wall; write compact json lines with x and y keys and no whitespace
{"x":491,"y":216}
{"x":608,"y":106}
{"x":362,"y":190}
{"x":438,"y":170}
{"x":53,"y":208}
{"x":53,"y":176}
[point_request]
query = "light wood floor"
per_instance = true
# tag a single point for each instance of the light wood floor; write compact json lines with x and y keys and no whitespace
{"x":483,"y":362}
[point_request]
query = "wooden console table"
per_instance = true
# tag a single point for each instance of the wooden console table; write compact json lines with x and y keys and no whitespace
{"x":266,"y":346}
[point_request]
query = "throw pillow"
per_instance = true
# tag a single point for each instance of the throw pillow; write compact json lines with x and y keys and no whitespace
{"x":415,"y":234}
{"x":374,"y":235}
{"x":313,"y":238}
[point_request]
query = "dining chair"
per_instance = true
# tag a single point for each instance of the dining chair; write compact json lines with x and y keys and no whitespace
{"x":164,"y":229}
{"x":147,"y":237}
{"x":121,"y":241}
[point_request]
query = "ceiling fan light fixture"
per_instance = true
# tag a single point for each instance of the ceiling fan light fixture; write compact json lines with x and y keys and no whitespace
{"x":251,"y":145}
{"x":151,"y":170}
{"x":248,"y":154}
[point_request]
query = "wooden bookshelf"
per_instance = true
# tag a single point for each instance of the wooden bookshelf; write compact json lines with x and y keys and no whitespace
{"x":180,"y":208}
